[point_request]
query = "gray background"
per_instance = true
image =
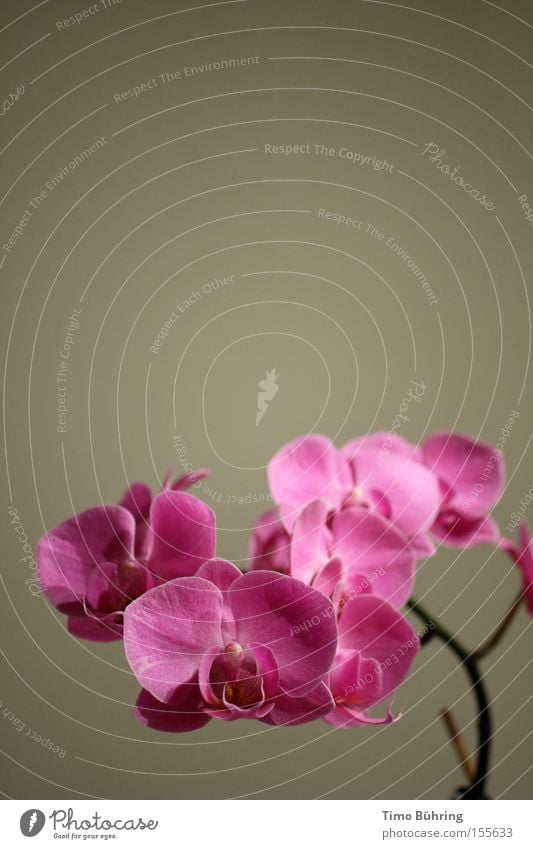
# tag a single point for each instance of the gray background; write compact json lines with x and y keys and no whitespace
{"x":182,"y":193}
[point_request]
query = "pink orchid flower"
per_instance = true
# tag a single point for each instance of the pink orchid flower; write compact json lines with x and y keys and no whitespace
{"x":357,"y":551}
{"x":92,"y":565}
{"x":269,"y":544}
{"x":376,"y":648}
{"x":226,"y":645}
{"x":522,"y":554}
{"x":471,"y":475}
{"x":392,"y":483}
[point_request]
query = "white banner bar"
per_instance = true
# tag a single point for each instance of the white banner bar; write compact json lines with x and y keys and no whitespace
{"x":268,"y":824}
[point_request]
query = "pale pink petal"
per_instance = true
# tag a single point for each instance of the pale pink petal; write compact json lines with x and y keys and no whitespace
{"x":311,"y":541}
{"x":369,"y":546}
{"x":409,"y":491}
{"x":305,"y":470}
{"x":168,"y":629}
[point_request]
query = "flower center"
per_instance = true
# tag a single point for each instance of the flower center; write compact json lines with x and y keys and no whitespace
{"x":130,"y":584}
{"x":234,"y":677}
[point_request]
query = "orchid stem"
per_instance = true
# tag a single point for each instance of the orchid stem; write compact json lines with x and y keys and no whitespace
{"x":493,"y":640}
{"x":484,"y":723}
{"x":458,"y":743}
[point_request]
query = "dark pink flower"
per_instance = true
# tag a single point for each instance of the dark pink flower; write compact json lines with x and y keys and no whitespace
{"x":230,"y":646}
{"x":376,"y":648}
{"x":92,"y":565}
{"x":357,"y":551}
{"x":471,"y":475}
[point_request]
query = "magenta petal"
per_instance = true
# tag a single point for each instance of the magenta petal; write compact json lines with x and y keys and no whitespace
{"x":185,"y":716}
{"x":296,"y":711}
{"x":459,"y":531}
{"x":267,"y":667}
{"x":310,"y":542}
{"x":306,"y":470}
{"x":183,"y":534}
{"x":204,"y":674}
{"x":472,"y":470}
{"x":103,"y":589}
{"x":296,"y":622}
{"x":137,"y":499}
{"x":222,"y":574}
{"x":189,"y":479}
{"x":330,"y":577}
{"x":374,"y":628}
{"x":269,"y":544}
{"x":105,"y":630}
{"x":168,"y":629}
{"x":343,"y":717}
{"x":356,"y":681}
{"x":368,"y":545}
{"x":67,"y":555}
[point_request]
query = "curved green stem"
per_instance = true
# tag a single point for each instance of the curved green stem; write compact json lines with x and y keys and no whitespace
{"x":484,"y":721}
